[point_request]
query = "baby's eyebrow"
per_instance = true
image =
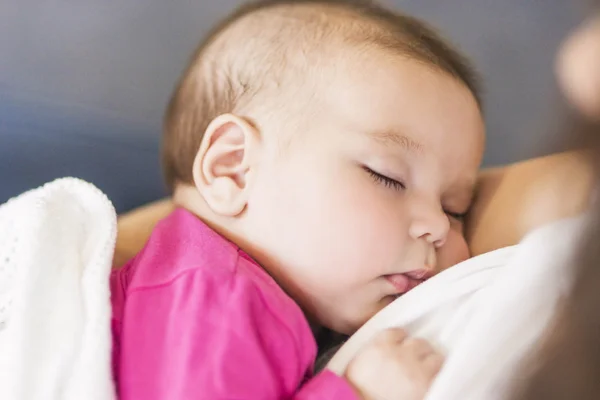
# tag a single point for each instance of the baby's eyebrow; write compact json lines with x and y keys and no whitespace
{"x":391,"y":138}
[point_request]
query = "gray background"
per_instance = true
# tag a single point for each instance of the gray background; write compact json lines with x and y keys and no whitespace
{"x":83,"y":84}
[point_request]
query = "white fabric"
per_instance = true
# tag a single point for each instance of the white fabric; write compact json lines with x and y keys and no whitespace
{"x":56,"y":247}
{"x":487,"y":314}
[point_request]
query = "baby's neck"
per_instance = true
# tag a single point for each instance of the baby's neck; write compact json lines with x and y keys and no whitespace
{"x":188,"y":197}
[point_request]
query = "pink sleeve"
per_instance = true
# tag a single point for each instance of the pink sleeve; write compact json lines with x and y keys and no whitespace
{"x":200,"y":339}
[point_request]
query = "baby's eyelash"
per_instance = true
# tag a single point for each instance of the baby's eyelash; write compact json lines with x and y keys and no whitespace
{"x":399,"y":186}
{"x":457,"y":216}
{"x":384,"y":180}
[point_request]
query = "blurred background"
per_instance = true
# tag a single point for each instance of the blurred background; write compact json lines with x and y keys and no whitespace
{"x":83,"y":84}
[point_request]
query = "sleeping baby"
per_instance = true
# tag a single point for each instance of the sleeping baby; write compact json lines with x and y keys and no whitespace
{"x":322,"y":155}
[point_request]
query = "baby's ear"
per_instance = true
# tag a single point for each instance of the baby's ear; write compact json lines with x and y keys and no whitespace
{"x":222,"y":165}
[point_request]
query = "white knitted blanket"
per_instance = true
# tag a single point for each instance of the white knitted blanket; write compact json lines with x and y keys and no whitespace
{"x":56,"y":248}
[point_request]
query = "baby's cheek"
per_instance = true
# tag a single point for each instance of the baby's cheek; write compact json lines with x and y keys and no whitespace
{"x":454,"y":251}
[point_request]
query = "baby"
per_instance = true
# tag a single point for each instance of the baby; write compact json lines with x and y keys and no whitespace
{"x":322,"y":155}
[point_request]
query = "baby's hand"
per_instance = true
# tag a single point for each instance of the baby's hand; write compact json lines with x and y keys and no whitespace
{"x":393,"y":366}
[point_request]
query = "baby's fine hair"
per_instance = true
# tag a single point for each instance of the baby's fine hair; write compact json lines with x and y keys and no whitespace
{"x":266,"y":47}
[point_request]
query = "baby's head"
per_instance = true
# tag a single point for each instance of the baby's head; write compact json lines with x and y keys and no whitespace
{"x":336,"y":142}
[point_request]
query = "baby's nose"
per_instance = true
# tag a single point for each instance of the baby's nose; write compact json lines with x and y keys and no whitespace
{"x":431,"y":225}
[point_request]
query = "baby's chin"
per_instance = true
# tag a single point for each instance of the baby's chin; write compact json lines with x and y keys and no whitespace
{"x":349,"y":325}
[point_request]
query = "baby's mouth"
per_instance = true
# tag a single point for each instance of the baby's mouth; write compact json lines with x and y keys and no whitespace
{"x":409,"y":280}
{"x":420,"y":274}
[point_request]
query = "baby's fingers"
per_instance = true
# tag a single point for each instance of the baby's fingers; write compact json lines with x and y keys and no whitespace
{"x":433,"y":363}
{"x":419,"y":348}
{"x":390,"y":336}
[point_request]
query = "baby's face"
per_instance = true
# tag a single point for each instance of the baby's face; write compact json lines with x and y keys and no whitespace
{"x":372,"y":189}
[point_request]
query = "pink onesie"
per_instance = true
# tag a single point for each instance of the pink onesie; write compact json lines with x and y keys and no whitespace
{"x":194,"y":317}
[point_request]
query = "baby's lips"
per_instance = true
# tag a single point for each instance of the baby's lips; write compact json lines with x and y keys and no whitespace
{"x":414,"y":283}
{"x":420,"y":274}
{"x":400,"y":281}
